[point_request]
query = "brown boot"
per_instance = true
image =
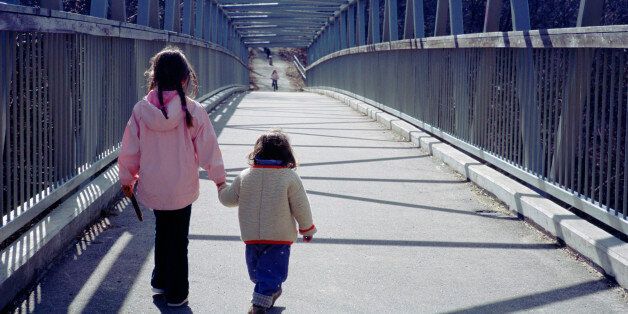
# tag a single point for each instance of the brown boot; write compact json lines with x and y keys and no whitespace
{"x":256,"y":309}
{"x":276,"y":296}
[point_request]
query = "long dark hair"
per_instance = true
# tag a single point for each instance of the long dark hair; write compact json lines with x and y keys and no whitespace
{"x":275,"y":145}
{"x":170,"y":70}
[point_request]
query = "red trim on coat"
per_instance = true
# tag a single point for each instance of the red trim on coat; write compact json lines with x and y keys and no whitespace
{"x":306,"y":230}
{"x":268,"y":166}
{"x":268,"y":242}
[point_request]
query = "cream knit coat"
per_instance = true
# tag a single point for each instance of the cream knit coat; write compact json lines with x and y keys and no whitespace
{"x":270,"y":199}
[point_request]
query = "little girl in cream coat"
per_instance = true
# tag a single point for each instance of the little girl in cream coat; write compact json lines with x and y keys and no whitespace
{"x":271,"y":201}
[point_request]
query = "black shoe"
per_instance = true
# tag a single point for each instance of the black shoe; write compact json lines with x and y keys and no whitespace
{"x":174,"y":302}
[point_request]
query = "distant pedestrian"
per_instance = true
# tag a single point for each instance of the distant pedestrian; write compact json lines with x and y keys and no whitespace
{"x":270,"y":60}
{"x":267,"y":51}
{"x":271,"y":197}
{"x":275,"y":78}
{"x":167,"y":138}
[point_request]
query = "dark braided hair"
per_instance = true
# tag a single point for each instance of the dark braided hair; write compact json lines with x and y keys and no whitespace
{"x":170,"y":71}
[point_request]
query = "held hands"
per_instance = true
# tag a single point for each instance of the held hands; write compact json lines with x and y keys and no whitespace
{"x":127,"y":190}
{"x":220,"y":186}
{"x":307,"y":239}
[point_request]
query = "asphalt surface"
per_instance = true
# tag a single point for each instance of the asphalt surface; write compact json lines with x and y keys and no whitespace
{"x":398,"y":232}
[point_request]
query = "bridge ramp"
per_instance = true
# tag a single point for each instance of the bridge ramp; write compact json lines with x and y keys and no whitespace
{"x":398,"y":232}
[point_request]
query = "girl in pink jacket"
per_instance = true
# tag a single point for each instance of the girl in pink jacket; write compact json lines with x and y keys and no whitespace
{"x":165,"y":141}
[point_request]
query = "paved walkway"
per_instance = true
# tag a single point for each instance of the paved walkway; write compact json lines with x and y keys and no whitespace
{"x":398,"y":232}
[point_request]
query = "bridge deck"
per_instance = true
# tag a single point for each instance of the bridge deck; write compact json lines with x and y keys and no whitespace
{"x":398,"y":232}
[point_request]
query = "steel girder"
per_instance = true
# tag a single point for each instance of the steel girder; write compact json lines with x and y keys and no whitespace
{"x":293,"y":23}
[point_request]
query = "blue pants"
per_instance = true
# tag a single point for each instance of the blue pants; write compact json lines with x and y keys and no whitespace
{"x":268,"y":269}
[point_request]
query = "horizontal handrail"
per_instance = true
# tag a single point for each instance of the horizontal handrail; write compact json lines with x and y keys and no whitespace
{"x":615,"y":36}
{"x":299,"y":66}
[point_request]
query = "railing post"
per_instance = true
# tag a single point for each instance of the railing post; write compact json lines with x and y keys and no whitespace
{"x":455,"y":17}
{"x":520,"y":15}
{"x":172,"y":16}
{"x":214,"y":23}
{"x":118,"y":10}
{"x":342,"y":19}
{"x":590,"y":13}
{"x":374,"y":30}
{"x":147,"y":14}
{"x":442,"y":18}
{"x":207,"y":13}
{"x":98,"y":8}
{"x":414,"y":24}
{"x":7,"y":51}
{"x":492,"y":15}
{"x":351,"y":25}
{"x":198,"y":17}
{"x":51,"y":4}
{"x":361,"y":14}
{"x":391,"y":28}
{"x":187,"y":17}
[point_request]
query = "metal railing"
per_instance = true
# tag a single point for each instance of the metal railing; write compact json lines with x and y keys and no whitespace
{"x":548,"y":107}
{"x":66,"y":93}
{"x":299,"y":66}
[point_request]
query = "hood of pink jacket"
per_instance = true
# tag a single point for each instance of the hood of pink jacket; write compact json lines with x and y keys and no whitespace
{"x":154,"y":118}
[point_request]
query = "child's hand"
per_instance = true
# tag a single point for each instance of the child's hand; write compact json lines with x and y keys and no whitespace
{"x":307,"y":239}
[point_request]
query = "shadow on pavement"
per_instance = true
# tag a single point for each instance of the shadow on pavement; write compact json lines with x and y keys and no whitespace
{"x":401,"y":243}
{"x":385,"y":202}
{"x":539,"y":299}
{"x":160,"y":303}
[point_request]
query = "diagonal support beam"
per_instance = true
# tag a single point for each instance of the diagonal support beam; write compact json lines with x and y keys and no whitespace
{"x":414,"y":24}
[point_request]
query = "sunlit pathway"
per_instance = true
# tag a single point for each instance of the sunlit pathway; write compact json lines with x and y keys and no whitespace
{"x":398,"y":232}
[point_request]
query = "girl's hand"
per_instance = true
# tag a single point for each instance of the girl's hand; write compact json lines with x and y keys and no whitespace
{"x":127,"y":190}
{"x":307,"y":239}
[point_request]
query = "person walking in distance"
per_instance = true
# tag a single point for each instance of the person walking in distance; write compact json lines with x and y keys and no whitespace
{"x":275,"y":77}
{"x":272,"y":201}
{"x":167,"y":138}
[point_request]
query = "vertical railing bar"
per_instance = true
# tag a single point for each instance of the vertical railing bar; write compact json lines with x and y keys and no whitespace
{"x":625,"y":197}
{"x":36,"y":122}
{"x":588,"y":135}
{"x":601,"y":132}
{"x":618,"y":148}
{"x":21,"y":111}
{"x":6,"y":71}
{"x":544,"y":99}
{"x":14,"y":108}
{"x":596,"y":107}
{"x":611,"y":118}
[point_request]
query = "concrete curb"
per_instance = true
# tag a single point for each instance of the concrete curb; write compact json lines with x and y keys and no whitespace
{"x":599,"y":246}
{"x":28,"y":257}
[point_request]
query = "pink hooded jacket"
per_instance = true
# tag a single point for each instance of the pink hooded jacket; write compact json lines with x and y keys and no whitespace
{"x":163,"y":155}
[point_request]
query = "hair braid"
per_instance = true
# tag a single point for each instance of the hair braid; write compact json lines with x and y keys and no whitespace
{"x":188,"y":116}
{"x":162,"y":106}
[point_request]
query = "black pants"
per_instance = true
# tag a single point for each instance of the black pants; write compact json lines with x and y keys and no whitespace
{"x":171,"y":252}
{"x":275,"y":86}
